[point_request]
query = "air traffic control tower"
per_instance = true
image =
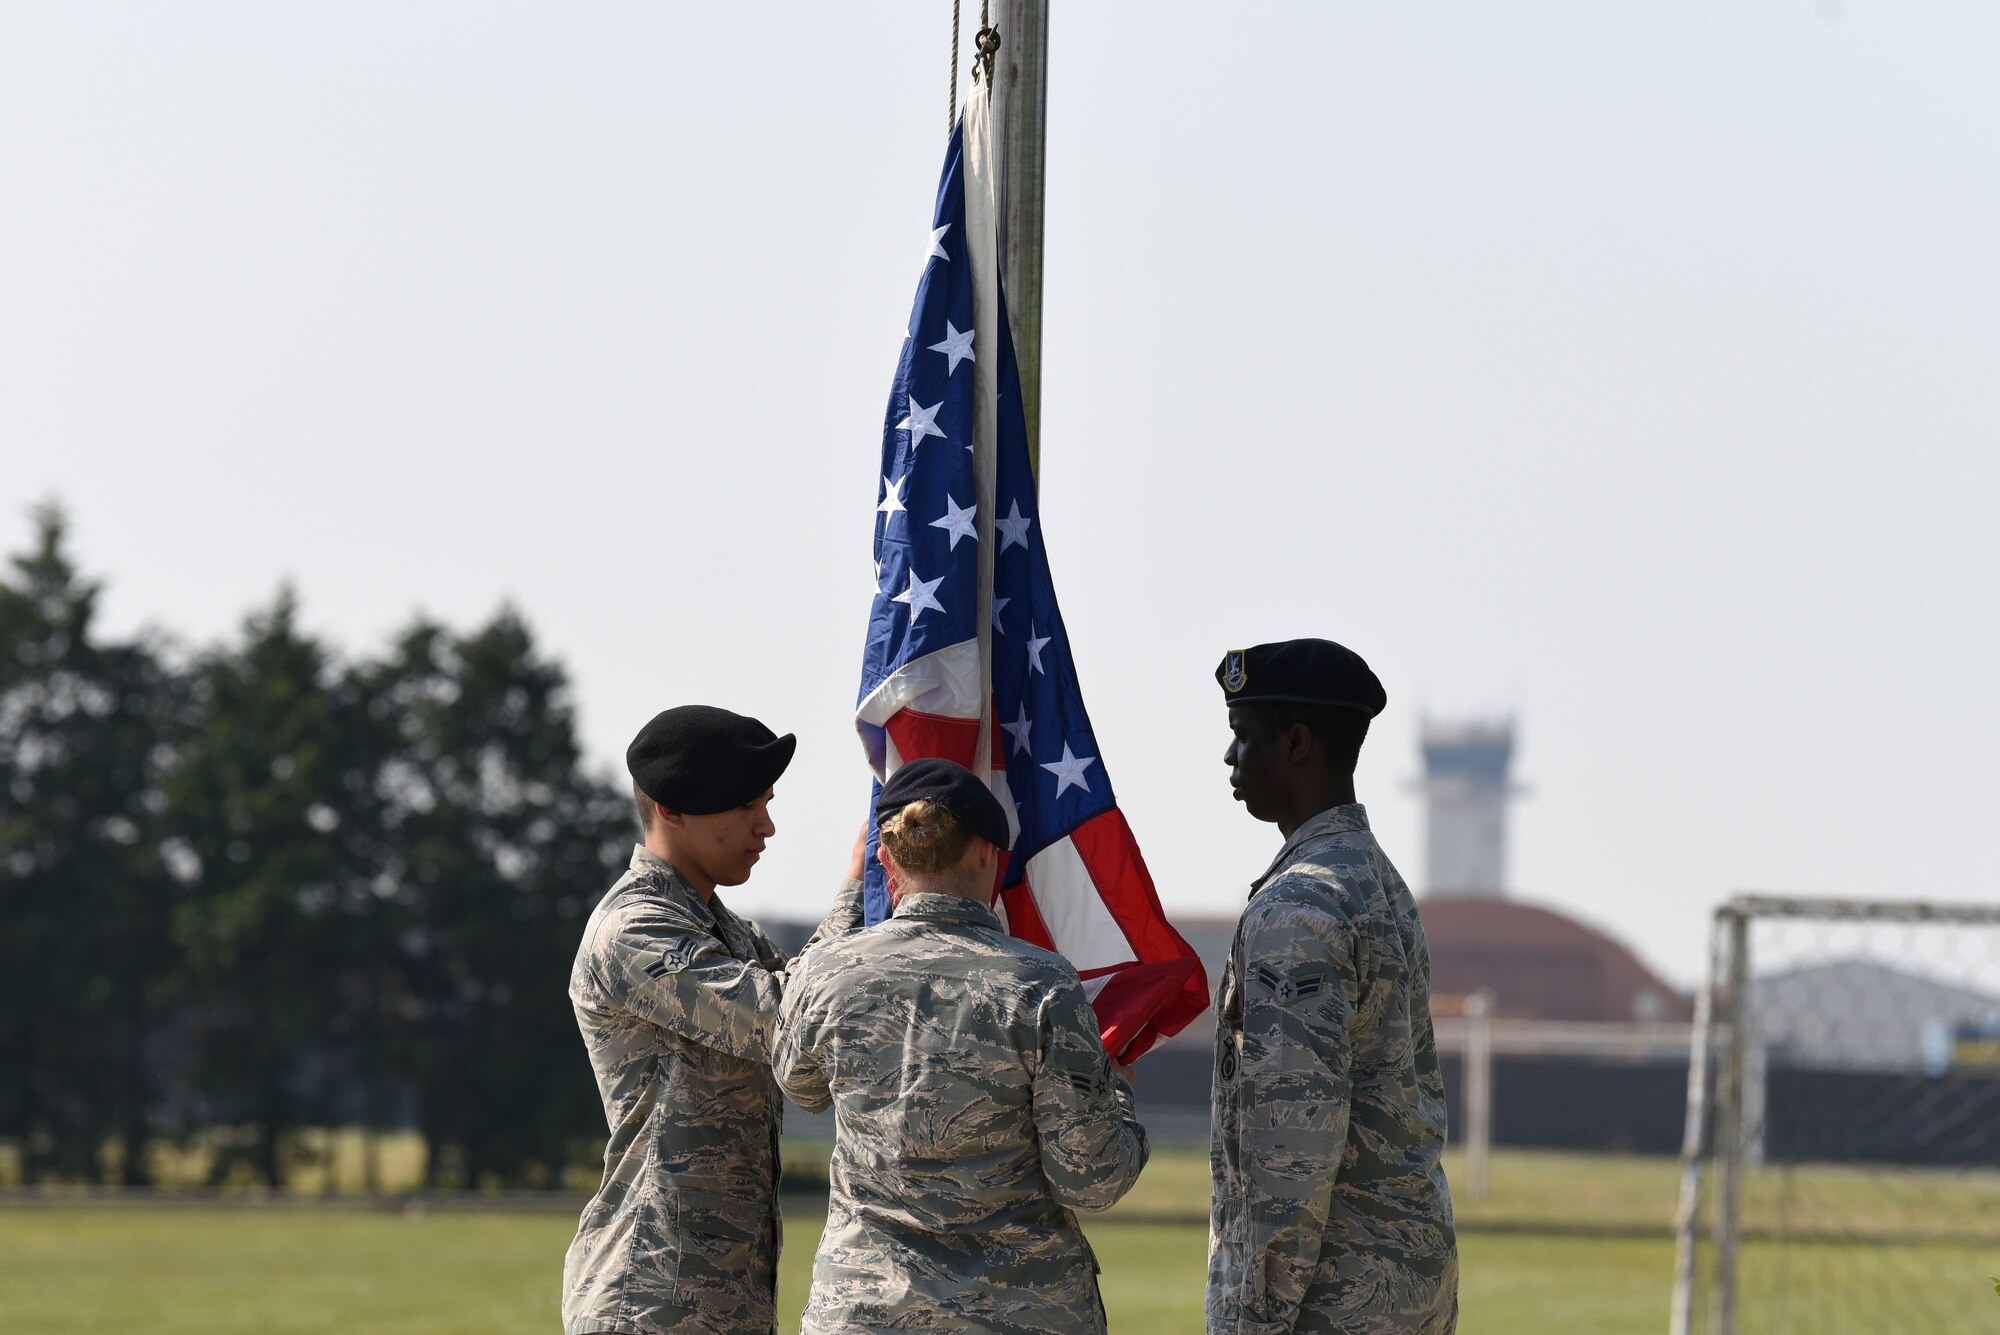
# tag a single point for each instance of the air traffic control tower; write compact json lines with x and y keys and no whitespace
{"x":1466,"y":790}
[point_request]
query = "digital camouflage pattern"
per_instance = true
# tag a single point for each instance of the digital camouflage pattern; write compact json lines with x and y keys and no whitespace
{"x":677,"y":1000}
{"x":975,"y":1112}
{"x":1330,"y":1210}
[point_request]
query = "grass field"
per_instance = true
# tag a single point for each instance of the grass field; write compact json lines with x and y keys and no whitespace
{"x":218,"y":1271}
{"x":221,"y":1272}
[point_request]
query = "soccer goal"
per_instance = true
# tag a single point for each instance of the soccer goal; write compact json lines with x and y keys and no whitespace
{"x":1841,"y":1168}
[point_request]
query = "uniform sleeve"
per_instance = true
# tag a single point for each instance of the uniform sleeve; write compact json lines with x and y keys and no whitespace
{"x":795,"y":1057}
{"x":1092,"y":1144}
{"x":768,"y":954}
{"x":1295,"y":1092}
{"x":845,"y":916}
{"x":679,"y":977}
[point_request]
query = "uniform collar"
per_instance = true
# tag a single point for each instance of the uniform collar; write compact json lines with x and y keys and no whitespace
{"x":924,"y":907}
{"x":1334,"y":820}
{"x":647,"y":863}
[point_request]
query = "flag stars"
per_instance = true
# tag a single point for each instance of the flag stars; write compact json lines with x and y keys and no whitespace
{"x":921,"y":422}
{"x":1035,"y":650}
{"x":999,"y":605}
{"x":957,"y":346}
{"x":1013,"y":528}
{"x":936,"y":251}
{"x":892,"y":497}
{"x":957,"y":522}
{"x":920,"y":595}
{"x":1069,"y":771}
{"x":1020,"y":730}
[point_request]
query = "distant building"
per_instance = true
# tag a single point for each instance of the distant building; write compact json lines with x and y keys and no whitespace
{"x":1539,"y":964}
{"x":1466,"y":789}
{"x":1860,"y":1015}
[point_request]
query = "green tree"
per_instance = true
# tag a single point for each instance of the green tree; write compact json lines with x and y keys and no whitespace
{"x":270,"y":889}
{"x":86,"y":727}
{"x":498,"y":843}
{"x":271,"y":805}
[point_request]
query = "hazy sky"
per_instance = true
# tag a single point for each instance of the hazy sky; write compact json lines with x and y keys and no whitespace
{"x":1632,"y":368}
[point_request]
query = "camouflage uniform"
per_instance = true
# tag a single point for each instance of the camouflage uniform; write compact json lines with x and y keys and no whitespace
{"x":975,"y":1112}
{"x":677,"y":999}
{"x":1330,"y":1211}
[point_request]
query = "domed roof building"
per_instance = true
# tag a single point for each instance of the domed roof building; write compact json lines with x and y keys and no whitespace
{"x":1538,"y":963}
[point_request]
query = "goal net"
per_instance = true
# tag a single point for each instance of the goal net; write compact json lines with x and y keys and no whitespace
{"x":1841,"y":1171}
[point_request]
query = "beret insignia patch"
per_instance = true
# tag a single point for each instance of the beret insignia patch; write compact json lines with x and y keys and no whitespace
{"x":1315,"y":672}
{"x":1233,"y":677}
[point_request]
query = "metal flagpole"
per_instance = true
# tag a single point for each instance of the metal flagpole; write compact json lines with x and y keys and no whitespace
{"x":1013,"y":46}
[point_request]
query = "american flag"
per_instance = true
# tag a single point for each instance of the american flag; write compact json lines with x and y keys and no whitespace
{"x":967,"y":657}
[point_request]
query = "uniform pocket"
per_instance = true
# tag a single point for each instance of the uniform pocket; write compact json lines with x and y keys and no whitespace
{"x":720,"y":1258}
{"x":718,"y":1216}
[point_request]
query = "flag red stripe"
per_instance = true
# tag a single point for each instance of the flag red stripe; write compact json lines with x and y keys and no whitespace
{"x":1167,"y":988}
{"x":1023,"y":918}
{"x":1143,"y":1003}
{"x":1108,"y":849}
{"x":918,"y":734}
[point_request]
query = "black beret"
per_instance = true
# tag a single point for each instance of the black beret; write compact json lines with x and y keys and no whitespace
{"x":953,"y":787}
{"x":698,"y":760}
{"x":1314,"y":672}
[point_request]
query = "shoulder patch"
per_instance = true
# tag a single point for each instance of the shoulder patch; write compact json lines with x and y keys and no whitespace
{"x":1301,"y":985}
{"x":1093,"y":1084}
{"x":673,"y":959}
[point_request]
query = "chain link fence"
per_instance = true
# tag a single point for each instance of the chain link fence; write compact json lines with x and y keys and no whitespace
{"x":1841,"y":1168}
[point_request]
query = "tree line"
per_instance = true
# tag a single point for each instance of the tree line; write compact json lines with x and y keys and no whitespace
{"x":265,"y":886}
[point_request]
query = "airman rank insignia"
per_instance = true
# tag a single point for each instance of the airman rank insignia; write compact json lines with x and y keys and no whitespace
{"x":1285,"y":990}
{"x":672,"y":960}
{"x":1095,"y":1084}
{"x":1233,"y":678}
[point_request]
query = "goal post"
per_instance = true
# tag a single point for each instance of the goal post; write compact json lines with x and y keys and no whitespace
{"x":1841,"y":1159}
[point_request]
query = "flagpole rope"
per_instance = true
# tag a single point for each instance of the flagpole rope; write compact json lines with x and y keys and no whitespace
{"x":951,"y":112}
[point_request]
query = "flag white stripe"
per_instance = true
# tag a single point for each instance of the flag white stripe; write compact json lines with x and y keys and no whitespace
{"x":1075,"y":913}
{"x":946,"y":683}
